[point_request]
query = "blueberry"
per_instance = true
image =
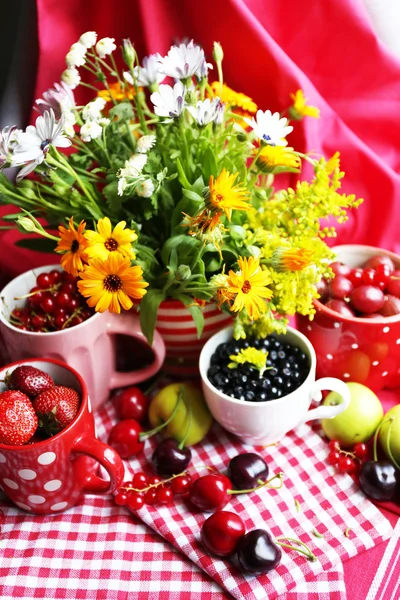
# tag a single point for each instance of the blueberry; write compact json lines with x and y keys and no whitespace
{"x":261,"y":396}
{"x":289,"y":386}
{"x":266,"y":383}
{"x":249,"y":396}
{"x":296,"y":376}
{"x":273,"y":372}
{"x":220,"y":380}
{"x":273,"y":355}
{"x":287,"y":372}
{"x":212,"y":371}
{"x":281,"y":354}
{"x":258,"y":344}
{"x":273,"y":391}
{"x":238,"y":391}
{"x":277,"y":381}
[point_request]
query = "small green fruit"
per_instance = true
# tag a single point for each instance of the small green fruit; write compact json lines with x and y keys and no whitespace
{"x":389,"y":436}
{"x":359,"y":421}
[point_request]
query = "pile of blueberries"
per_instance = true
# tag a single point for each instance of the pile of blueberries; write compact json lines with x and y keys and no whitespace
{"x":287,"y":368}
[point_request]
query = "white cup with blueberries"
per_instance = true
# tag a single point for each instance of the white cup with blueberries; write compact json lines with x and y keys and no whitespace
{"x":262,"y":400}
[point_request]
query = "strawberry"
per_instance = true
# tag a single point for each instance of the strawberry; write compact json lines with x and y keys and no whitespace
{"x":18,"y":421}
{"x":29,"y":380}
{"x":56,"y":408}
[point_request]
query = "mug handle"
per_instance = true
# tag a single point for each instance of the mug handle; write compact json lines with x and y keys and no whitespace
{"x":129,"y":324}
{"x":108,"y":458}
{"x":328,"y":412}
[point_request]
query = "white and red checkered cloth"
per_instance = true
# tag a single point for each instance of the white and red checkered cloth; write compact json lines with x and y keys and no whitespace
{"x":98,"y":550}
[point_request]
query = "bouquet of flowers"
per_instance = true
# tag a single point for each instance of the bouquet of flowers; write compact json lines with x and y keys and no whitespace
{"x":162,"y":187}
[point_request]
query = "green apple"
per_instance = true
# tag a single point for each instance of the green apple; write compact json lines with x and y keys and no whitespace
{"x":359,"y":421}
{"x":390,"y":433}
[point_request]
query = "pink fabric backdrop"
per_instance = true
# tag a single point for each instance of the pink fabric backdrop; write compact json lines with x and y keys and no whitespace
{"x":327,"y":48}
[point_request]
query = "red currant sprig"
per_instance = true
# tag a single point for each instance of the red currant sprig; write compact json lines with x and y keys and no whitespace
{"x":345,"y":461}
{"x":152,"y":490}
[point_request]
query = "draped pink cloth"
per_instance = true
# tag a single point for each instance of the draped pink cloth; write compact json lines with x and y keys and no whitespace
{"x":329,"y":49}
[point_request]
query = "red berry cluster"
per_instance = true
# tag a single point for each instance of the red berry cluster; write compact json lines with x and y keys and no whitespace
{"x":371,"y":291}
{"x":54,"y":303}
{"x":345,"y":461}
{"x":144,"y":489}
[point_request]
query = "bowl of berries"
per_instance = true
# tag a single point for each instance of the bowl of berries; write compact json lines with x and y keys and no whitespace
{"x":47,"y":438}
{"x":260,"y":389}
{"x":42,"y":313}
{"x":356,"y":328}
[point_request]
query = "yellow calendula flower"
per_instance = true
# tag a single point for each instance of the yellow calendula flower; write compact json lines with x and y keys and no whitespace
{"x":250,"y":286}
{"x":234,"y":99}
{"x":220,"y":281}
{"x":112,"y":283}
{"x":272,"y":157}
{"x":291,"y":259}
{"x":300,"y":107}
{"x":117,"y":93}
{"x":72,"y":245}
{"x":257,"y":358}
{"x":333,"y":163}
{"x":223,"y":195}
{"x":105,"y":240}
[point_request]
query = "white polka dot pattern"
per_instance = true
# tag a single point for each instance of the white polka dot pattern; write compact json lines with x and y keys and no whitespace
{"x":354,"y":346}
{"x":36,"y":499}
{"x":336,"y":325}
{"x":2,"y":458}
{"x":375,"y":363}
{"x":46,"y":458}
{"x":384,"y":373}
{"x":59,"y":506}
{"x":23,"y":506}
{"x":27,"y":474}
{"x":386,"y":329}
{"x":53,"y":485}
{"x":329,"y":356}
{"x":11,"y":484}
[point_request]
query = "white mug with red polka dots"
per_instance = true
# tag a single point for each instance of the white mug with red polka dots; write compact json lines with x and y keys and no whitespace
{"x":52,"y":475}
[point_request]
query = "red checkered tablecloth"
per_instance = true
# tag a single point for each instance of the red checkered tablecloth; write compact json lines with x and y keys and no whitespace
{"x":98,"y":550}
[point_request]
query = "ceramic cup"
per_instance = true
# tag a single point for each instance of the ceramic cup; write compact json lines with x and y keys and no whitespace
{"x":261,"y":423}
{"x":90,"y":347}
{"x":51,"y":476}
{"x":363,"y":350}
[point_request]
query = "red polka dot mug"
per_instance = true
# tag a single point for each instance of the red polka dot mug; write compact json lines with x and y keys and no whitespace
{"x":52,"y":475}
{"x":355,"y":349}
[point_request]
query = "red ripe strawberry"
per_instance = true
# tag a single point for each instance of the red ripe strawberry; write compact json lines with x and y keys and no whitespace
{"x":18,"y":421}
{"x":56,"y":408}
{"x":29,"y":380}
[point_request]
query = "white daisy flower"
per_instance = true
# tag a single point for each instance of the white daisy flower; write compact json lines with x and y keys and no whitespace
{"x":149,"y":73}
{"x":88,"y":39}
{"x":122,"y":185}
{"x":7,"y":142}
{"x":145,"y":188}
{"x":90,"y":131}
{"x":92,"y":111}
{"x":76,"y":55}
{"x":270,"y":128}
{"x":206,"y":111}
{"x":145,"y":143}
{"x":105,"y":46}
{"x":69,"y":122}
{"x":35,"y":142}
{"x":134,"y":166}
{"x":71,"y":78}
{"x":183,"y":61}
{"x":168,"y":101}
{"x":60,"y":98}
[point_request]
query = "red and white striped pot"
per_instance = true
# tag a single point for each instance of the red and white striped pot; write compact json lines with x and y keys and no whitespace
{"x":178,"y":330}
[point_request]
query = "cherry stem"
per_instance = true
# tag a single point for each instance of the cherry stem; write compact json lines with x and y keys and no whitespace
{"x":376,"y":438}
{"x":147,"y":434}
{"x":307,"y":552}
{"x":263,"y":484}
{"x":153,"y":485}
{"x":388,"y":448}
{"x":53,"y":288}
{"x":189,"y":409}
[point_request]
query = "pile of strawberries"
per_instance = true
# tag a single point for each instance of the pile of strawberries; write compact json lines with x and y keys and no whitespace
{"x":33,"y":407}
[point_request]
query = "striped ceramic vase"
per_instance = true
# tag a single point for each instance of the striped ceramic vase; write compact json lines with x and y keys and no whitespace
{"x":183,"y":347}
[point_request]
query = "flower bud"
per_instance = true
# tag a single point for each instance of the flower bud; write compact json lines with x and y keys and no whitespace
{"x":27,"y":224}
{"x":241,"y":137}
{"x":128,"y":53}
{"x":218,"y":53}
{"x":183,"y":273}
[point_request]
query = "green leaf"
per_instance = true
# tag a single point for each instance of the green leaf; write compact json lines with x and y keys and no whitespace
{"x":148,"y":312}
{"x":192,"y":195}
{"x":195,"y":311}
{"x":122,"y":111}
{"x":182,"y":242}
{"x":110,"y":191}
{"x":209,"y":164}
{"x":39,"y":244}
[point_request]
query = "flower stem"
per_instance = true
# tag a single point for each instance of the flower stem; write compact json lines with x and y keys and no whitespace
{"x":137,"y":102}
{"x":146,"y":434}
{"x":189,"y":409}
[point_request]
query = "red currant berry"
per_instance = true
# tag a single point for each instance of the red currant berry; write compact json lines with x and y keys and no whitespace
{"x":140,"y":481}
{"x":68,"y":277}
{"x":135,"y":500}
{"x":68,"y":287}
{"x":43,"y":281}
{"x":60,"y":320}
{"x":346,"y":464}
{"x":150,"y":496}
{"x":54,"y":276}
{"x":360,"y":450}
{"x":47,"y":305}
{"x":153,"y":480}
{"x":73,"y":304}
{"x":121,"y":497}
{"x":355,"y":277}
{"x":37,"y":296}
{"x":62,"y":299}
{"x":38,"y":321}
{"x":334,"y":457}
{"x":164,"y":495}
{"x":180,"y":485}
{"x":334,"y":445}
{"x":76,"y":320}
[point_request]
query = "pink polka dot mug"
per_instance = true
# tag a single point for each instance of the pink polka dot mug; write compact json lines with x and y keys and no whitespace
{"x":354,"y":349}
{"x":51,"y":476}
